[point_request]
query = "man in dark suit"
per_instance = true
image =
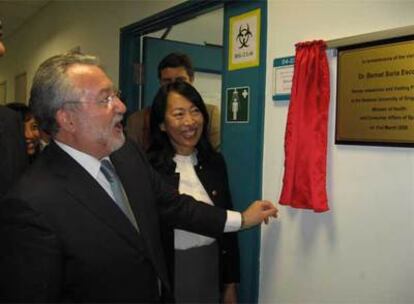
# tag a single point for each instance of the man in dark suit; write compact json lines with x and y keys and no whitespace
{"x":70,"y":231}
{"x":13,"y":157}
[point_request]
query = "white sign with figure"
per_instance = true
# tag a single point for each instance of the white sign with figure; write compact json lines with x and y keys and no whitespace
{"x":238,"y":103}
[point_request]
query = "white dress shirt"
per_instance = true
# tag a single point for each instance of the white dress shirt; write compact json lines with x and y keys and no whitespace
{"x":190,"y":184}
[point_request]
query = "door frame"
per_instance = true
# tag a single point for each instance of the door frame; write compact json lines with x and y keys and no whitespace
{"x":130,"y":43}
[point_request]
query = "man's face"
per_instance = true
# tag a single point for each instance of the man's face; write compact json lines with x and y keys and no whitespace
{"x":169,"y":75}
{"x":97,"y":118}
{"x":2,"y":48}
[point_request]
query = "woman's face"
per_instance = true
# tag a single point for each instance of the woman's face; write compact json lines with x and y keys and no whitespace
{"x":32,"y":136}
{"x":183,"y":123}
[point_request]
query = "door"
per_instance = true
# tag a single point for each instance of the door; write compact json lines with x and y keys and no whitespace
{"x":207,"y":64}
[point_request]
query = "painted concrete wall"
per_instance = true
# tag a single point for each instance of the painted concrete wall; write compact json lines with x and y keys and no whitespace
{"x":362,"y":251}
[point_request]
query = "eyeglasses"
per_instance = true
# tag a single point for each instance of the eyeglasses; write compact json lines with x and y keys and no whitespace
{"x":116,"y":94}
{"x":105,"y":102}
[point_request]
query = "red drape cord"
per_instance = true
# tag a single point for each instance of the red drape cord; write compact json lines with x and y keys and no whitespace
{"x":304,"y":181}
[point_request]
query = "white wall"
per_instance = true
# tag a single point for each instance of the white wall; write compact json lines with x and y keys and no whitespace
{"x":362,"y":251}
{"x":62,"y":25}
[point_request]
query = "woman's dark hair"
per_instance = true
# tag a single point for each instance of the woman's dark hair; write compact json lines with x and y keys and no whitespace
{"x":23,"y":110}
{"x":161,"y":150}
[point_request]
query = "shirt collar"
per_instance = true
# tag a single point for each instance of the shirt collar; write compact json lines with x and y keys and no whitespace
{"x":192,"y":158}
{"x":88,"y":162}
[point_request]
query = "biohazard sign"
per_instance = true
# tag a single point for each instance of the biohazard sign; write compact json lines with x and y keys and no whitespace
{"x":244,"y":40}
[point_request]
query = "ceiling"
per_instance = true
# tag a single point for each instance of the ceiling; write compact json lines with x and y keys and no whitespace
{"x":14,"y":13}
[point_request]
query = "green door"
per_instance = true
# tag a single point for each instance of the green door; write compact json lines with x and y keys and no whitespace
{"x":242,"y":140}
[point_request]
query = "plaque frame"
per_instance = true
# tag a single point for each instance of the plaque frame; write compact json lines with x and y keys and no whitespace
{"x":403,"y":139}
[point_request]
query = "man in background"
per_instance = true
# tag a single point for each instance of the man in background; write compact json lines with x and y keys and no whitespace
{"x":174,"y":66}
{"x":13,"y":157}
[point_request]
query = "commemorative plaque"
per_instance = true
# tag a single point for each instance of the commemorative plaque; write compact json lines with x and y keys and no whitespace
{"x":375,"y":93}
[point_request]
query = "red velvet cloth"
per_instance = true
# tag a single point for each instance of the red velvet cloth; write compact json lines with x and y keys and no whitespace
{"x":304,"y":181}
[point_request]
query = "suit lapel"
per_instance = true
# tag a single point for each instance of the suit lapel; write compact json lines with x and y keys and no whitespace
{"x":135,"y":187}
{"x":87,"y":191}
{"x":129,"y":161}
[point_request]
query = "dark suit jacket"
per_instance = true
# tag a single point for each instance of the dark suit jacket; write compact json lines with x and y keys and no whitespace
{"x":63,"y":239}
{"x":212,"y":173}
{"x":13,"y":159}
